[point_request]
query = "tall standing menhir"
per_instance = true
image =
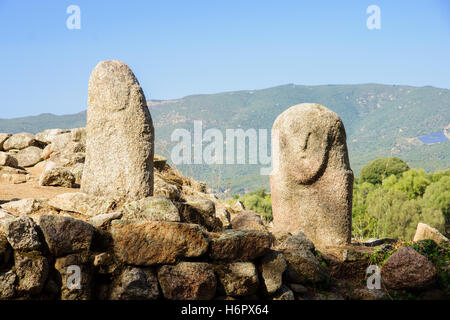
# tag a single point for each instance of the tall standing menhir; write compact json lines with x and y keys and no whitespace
{"x":120,"y":135}
{"x":312,"y":188}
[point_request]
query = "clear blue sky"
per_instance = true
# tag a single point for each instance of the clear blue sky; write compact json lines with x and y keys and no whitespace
{"x":178,"y":48}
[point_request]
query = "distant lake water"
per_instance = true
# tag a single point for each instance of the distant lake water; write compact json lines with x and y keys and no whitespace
{"x":436,"y":137}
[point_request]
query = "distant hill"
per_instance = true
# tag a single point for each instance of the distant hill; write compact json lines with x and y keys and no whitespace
{"x":380,"y":120}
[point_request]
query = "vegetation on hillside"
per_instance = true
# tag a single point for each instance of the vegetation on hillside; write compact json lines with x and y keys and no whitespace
{"x":386,"y":203}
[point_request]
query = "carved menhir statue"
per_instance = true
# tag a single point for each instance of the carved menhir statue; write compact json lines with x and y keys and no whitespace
{"x":312,"y":187}
{"x":119,"y":135}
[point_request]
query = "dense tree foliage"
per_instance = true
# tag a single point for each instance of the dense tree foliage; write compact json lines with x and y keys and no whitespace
{"x":375,"y":171}
{"x":394,"y":207}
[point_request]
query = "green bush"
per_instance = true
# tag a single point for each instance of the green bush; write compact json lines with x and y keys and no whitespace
{"x":375,"y":171}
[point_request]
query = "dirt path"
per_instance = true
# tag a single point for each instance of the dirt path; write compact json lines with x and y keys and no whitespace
{"x":30,"y":189}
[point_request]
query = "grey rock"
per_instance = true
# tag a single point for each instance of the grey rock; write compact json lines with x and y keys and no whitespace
{"x":104,"y":219}
{"x":22,"y":234}
{"x":151,"y":209}
{"x":19,"y":141}
{"x":238,"y":278}
{"x":136,"y":284}
{"x":188,"y":281}
{"x":7,"y":284}
{"x":29,"y":156}
{"x":66,"y":235}
{"x":273,"y":266}
{"x":239,"y":245}
{"x":32,"y":271}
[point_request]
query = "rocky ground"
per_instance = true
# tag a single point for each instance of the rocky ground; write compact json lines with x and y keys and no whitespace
{"x":181,"y":243}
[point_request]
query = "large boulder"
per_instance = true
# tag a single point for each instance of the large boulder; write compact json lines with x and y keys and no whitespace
{"x":29,"y":156}
{"x":28,"y":206}
{"x":76,"y":274}
{"x":239,"y":245}
{"x":3,"y":138}
{"x":23,"y":234}
{"x":20,"y":141}
{"x":56,"y":176}
{"x":136,"y":284}
{"x":10,"y":175}
{"x":146,"y":243}
{"x":424,"y":232}
{"x":32,"y":270}
{"x":303,"y":266}
{"x":7,"y":284}
{"x":83,"y":203}
{"x":65,"y":235}
{"x":202,"y":212}
{"x":407,"y":269}
{"x":238,"y":278}
{"x":312,"y":181}
{"x":120,"y":135}
{"x":152,"y":209}
{"x":188,"y":281}
{"x":248,"y":220}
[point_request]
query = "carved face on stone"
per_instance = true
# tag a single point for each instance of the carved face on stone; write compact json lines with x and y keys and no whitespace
{"x":305,"y":133}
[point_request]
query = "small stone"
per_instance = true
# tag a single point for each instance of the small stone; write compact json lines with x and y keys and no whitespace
{"x":407,"y":269}
{"x":284,"y":294}
{"x":224,"y":215}
{"x":104,"y":219}
{"x":238,"y":278}
{"x":105,"y":263}
{"x":136,"y":284}
{"x":238,"y":206}
{"x":66,"y":235}
{"x":188,"y":281}
{"x":298,"y":288}
{"x":22,"y":234}
{"x":273,"y":266}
